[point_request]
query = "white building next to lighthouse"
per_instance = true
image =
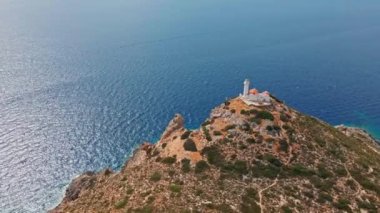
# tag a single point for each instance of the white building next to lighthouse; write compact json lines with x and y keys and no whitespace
{"x":254,"y":97}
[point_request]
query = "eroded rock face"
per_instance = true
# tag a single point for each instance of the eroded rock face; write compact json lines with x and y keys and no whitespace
{"x":353,"y":131}
{"x":139,"y":155}
{"x":83,"y":182}
{"x":175,"y":124}
{"x":358,"y":133}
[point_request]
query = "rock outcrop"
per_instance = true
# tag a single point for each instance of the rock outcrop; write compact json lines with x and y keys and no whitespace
{"x":242,"y":159}
{"x":174,"y":125}
{"x":83,"y":182}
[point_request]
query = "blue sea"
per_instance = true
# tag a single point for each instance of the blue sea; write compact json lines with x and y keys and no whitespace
{"x":84,"y":82}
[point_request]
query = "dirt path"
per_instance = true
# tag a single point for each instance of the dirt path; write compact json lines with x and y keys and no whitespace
{"x":261,"y":194}
{"x":356,"y":182}
{"x":262,"y":206}
{"x":374,"y":149}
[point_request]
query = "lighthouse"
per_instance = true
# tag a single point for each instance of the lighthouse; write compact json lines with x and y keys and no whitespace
{"x":246,"y":88}
{"x":254,"y":97}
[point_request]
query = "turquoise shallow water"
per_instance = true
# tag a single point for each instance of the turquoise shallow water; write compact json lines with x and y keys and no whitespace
{"x":84,"y":82}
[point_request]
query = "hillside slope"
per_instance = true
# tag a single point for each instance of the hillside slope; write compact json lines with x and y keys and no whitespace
{"x":242,"y":159}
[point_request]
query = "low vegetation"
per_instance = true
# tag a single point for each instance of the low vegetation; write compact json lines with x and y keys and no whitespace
{"x":201,"y":166}
{"x":185,"y":135}
{"x":156,"y":176}
{"x":121,"y":203}
{"x":207,"y":133}
{"x":185,"y":165}
{"x":271,"y":157}
{"x":175,"y":188}
{"x":189,"y":145}
{"x":169,"y":160}
{"x":265,"y":115}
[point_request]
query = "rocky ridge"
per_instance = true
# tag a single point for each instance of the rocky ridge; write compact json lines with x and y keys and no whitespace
{"x":242,"y":159}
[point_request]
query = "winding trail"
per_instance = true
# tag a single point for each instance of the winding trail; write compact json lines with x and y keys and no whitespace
{"x":373,"y":149}
{"x":262,"y":207}
{"x":359,"y":191}
{"x":261,"y":194}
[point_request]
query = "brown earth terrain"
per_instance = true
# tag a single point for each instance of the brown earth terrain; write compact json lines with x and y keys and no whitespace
{"x":242,"y":159}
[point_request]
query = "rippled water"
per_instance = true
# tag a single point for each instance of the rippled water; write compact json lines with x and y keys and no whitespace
{"x":83,"y":82}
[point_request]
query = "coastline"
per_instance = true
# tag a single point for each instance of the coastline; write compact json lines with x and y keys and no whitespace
{"x":367,"y":129}
{"x":161,"y":163}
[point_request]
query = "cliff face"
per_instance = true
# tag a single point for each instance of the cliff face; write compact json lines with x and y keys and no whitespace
{"x":242,"y":159}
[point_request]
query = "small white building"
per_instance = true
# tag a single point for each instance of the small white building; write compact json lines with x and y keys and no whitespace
{"x":254,"y":97}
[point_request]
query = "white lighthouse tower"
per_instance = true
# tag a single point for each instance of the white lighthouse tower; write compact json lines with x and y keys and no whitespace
{"x":246,"y":88}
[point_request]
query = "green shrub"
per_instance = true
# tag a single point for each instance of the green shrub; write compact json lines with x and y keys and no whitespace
{"x":268,"y":171}
{"x":228,"y":127}
{"x":284,"y":146}
{"x":169,"y":160}
{"x":276,"y":128}
{"x":243,"y":112}
{"x":286,"y":209}
{"x":342,"y":204}
{"x":171,"y":172}
{"x":249,"y":202}
{"x":213,"y":155}
{"x":189,"y":145}
{"x":365,"y":182}
{"x":201,"y":166}
{"x":320,"y":142}
{"x":272,"y":159}
{"x":151,"y":199}
{"x":198,"y":192}
{"x":340,"y":171}
{"x":255,"y":120}
{"x":284,"y":117}
{"x":121,"y":203}
{"x":185,"y":135}
{"x":265,"y":115}
{"x":251,"y":140}
{"x":185,"y":165}
{"x":217,"y":133}
{"x":207,"y":134}
{"x":323,"y":197}
{"x":242,"y":146}
{"x":156,"y":176}
{"x":366,"y":205}
{"x":323,"y":172}
{"x":238,"y":167}
{"x":308,"y":194}
{"x":224,"y":208}
{"x":301,"y":170}
{"x":316,"y":181}
{"x":225,"y":140}
{"x":246,"y":127}
{"x":145,"y":209}
{"x":130,"y":190}
{"x":232,"y":110}
{"x":175,"y":188}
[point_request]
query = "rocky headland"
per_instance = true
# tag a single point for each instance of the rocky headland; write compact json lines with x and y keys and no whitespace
{"x":241,"y":159}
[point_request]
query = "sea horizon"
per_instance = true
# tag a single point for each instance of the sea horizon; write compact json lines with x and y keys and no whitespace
{"x":82,"y":83}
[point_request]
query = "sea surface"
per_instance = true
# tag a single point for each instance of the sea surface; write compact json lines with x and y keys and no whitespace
{"x":84,"y":82}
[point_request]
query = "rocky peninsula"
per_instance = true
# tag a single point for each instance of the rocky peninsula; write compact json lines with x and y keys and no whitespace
{"x":243,"y":158}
